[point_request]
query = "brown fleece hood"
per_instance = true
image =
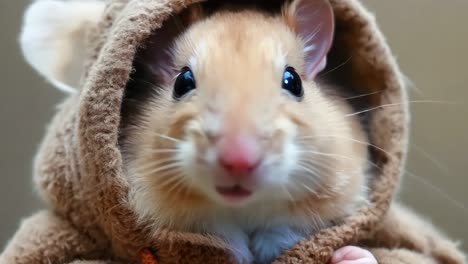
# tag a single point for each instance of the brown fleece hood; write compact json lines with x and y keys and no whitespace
{"x":78,"y":169}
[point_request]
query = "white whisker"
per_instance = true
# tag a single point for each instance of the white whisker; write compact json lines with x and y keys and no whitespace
{"x":324,"y":166}
{"x":177,"y":187}
{"x":438,"y":190}
{"x":327,"y":154}
{"x":170,"y":177}
{"x":309,"y":189}
{"x":168,"y":138}
{"x":162,"y":151}
{"x":437,"y":163}
{"x":157,"y":162}
{"x":163,"y":168}
{"x":305,"y":166}
{"x":336,"y":68}
{"x":315,"y":177}
{"x":362,"y":95}
{"x":285,"y":190}
{"x":397,"y":104}
{"x":316,"y":181}
{"x":336,"y":156}
{"x":350,"y":139}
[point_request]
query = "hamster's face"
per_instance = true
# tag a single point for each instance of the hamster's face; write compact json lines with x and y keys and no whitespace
{"x":241,"y":124}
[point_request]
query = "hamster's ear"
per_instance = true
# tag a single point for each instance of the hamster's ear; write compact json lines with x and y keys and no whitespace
{"x":313,"y":21}
{"x":52,"y":38}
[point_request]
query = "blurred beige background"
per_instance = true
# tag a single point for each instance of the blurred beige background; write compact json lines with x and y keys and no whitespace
{"x":430,"y":40}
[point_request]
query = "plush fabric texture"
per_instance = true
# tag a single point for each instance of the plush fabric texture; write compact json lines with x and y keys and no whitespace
{"x":78,"y":169}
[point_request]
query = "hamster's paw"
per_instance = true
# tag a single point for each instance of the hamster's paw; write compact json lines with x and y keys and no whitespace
{"x":238,"y":242}
{"x":267,"y":245}
{"x":241,"y":252}
{"x":353,"y":255}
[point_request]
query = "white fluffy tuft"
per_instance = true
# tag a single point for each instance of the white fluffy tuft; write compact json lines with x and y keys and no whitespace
{"x":52,"y":38}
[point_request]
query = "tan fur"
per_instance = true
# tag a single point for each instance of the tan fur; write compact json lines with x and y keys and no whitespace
{"x":79,"y":168}
{"x":238,"y":80}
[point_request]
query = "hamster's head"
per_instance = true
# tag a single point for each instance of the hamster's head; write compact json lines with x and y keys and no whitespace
{"x":236,"y":117}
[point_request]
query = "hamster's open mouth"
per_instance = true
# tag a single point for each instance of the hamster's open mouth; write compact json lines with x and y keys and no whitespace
{"x":234,"y":194}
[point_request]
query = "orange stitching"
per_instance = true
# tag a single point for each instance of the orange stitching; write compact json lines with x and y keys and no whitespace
{"x":147,"y":257}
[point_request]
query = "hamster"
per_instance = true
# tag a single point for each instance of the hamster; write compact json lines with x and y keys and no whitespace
{"x":227,"y":130}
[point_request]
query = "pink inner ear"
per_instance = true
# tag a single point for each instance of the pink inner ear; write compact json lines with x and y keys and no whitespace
{"x":314,"y":23}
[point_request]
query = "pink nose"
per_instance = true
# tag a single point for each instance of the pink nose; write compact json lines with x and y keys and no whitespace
{"x":239,"y":153}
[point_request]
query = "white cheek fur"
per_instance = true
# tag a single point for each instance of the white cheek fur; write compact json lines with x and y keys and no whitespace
{"x":275,"y":172}
{"x":212,"y":123}
{"x":198,"y":175}
{"x":287,"y":159}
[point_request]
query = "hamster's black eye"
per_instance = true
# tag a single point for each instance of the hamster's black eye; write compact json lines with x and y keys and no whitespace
{"x":184,"y":83}
{"x":292,"y":82}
